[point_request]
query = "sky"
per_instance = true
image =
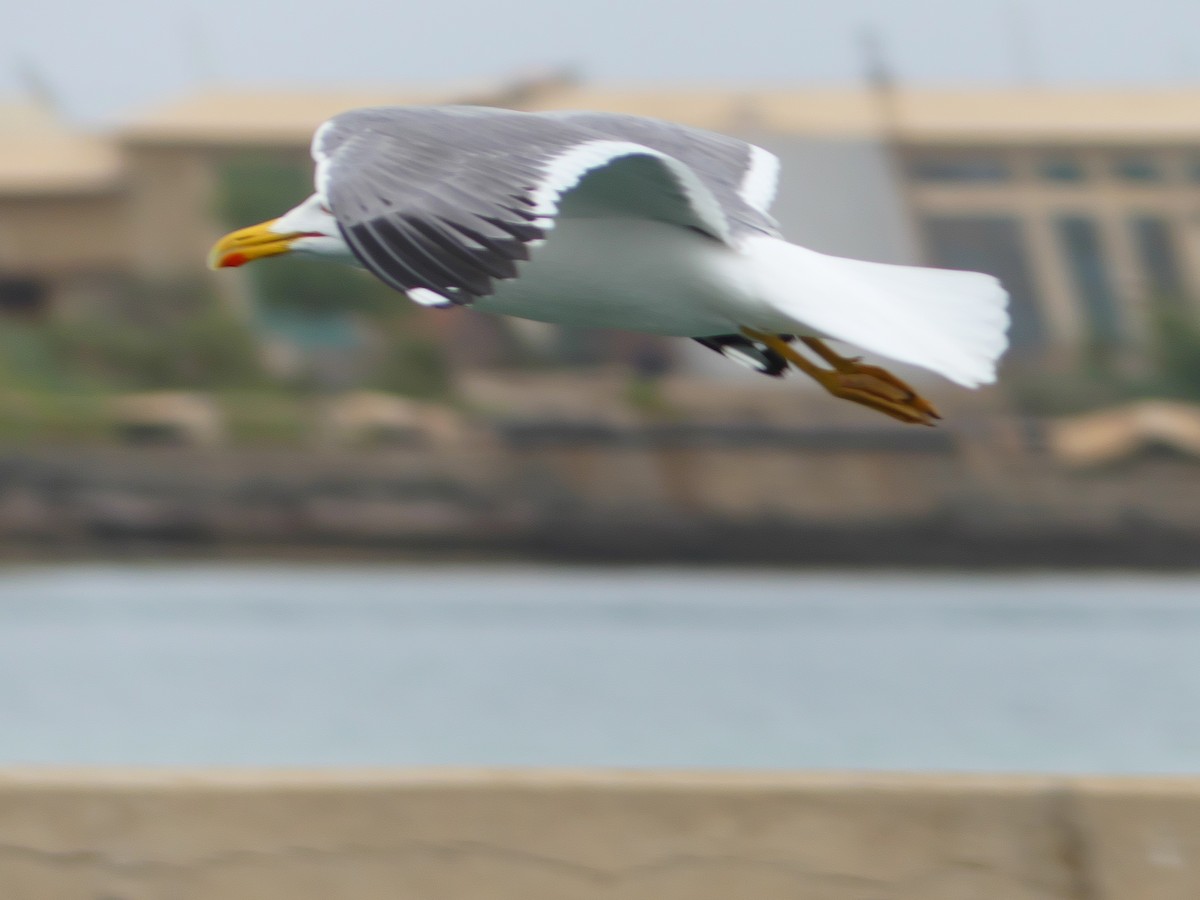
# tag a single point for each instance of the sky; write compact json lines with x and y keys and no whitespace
{"x":104,"y":61}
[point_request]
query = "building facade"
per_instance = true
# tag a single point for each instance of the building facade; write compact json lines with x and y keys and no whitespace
{"x":1097,"y":241}
{"x":1085,"y":203}
{"x":64,"y":224}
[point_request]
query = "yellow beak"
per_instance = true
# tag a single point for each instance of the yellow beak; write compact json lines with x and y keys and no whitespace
{"x":240,"y":247}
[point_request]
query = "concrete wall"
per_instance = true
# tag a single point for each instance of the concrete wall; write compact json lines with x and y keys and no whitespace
{"x":940,"y":497}
{"x":394,"y":835}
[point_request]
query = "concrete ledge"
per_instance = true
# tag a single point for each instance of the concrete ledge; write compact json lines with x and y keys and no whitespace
{"x":579,"y":835}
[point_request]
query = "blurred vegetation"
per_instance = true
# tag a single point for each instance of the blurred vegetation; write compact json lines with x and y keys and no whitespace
{"x":58,"y":374}
{"x":1177,"y":341}
{"x":1108,"y":375}
{"x":164,"y":337}
{"x":408,"y":364}
{"x":265,"y":417}
{"x":42,"y":416}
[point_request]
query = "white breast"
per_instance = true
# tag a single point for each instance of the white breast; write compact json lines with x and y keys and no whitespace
{"x":631,"y":274}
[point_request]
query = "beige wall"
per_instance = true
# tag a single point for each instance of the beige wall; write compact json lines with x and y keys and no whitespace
{"x":172,"y":201}
{"x":52,"y":236}
{"x":461,"y":835}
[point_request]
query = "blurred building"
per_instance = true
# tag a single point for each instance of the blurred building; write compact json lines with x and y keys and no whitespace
{"x":64,"y":213}
{"x":1086,"y":203}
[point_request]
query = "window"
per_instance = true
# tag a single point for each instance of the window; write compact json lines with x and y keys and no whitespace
{"x":22,"y":297}
{"x":1080,"y":241}
{"x":1155,"y":247}
{"x":1140,"y":168}
{"x":960,"y":168}
{"x":996,"y":245}
{"x":1062,"y":169}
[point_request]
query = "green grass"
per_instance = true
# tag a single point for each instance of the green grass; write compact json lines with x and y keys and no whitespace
{"x":266,"y":418}
{"x":52,"y":417}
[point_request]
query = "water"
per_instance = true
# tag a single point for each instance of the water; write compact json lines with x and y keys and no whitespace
{"x":294,"y":665}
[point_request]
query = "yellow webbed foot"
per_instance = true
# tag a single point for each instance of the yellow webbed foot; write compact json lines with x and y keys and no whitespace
{"x":849,"y":379}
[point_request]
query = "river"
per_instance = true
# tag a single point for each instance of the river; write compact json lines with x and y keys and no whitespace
{"x":323,"y":665}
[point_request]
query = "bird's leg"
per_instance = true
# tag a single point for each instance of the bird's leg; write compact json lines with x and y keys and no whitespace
{"x":851,"y":380}
{"x":853,"y":368}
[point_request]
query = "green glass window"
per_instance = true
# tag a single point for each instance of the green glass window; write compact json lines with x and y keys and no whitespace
{"x":1155,"y":245}
{"x":1079,"y":239}
{"x":1062,"y":169}
{"x":981,"y":169}
{"x":1139,"y":168}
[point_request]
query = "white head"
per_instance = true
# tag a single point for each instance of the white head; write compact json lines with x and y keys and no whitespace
{"x":309,"y":229}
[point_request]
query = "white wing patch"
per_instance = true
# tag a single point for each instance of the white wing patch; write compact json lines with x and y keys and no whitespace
{"x":567,"y":169}
{"x":322,"y":159}
{"x":742,"y":358}
{"x":761,"y":180}
{"x":426,"y":297}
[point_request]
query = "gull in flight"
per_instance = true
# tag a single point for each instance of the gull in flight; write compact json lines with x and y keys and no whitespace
{"x":615,"y":221}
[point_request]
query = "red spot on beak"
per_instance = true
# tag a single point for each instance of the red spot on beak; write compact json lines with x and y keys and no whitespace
{"x":233,"y":260}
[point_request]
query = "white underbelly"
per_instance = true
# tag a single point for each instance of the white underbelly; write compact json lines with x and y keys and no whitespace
{"x":633,"y":274}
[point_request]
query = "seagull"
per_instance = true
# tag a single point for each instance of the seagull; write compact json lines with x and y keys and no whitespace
{"x":616,"y":221}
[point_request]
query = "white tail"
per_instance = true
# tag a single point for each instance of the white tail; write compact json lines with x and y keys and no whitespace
{"x":950,"y":322}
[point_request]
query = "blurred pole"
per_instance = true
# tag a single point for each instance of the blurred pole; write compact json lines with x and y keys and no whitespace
{"x":879,"y":74}
{"x":1024,"y":50}
{"x":881,"y":83}
{"x":197,"y":53}
{"x":37,"y":87}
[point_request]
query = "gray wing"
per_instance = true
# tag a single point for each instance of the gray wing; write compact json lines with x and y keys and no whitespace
{"x":442,"y":202}
{"x":741,"y":176}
